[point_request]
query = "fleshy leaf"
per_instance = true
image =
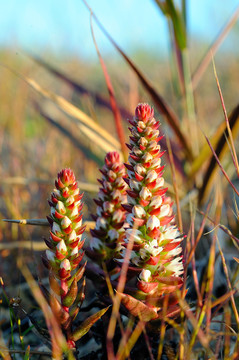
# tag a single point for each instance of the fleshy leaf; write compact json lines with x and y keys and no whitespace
{"x":87,"y":324}
{"x":71,"y":295}
{"x":137,"y":308}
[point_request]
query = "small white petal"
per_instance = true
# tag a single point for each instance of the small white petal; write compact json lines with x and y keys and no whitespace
{"x":113,"y":234}
{"x":72,"y":236}
{"x":75,"y":211}
{"x":76,"y":192}
{"x":153,"y":222}
{"x":61,"y":246}
{"x":60,"y":207}
{"x":151,"y":176}
{"x":134,"y":185}
{"x":118,"y":215}
{"x":164,"y":210}
{"x":156,"y":202}
{"x":70,"y":200}
{"x":74,"y":251}
{"x":145,"y":193}
{"x":156,"y":162}
{"x":65,"y":264}
{"x":78,"y":224}
{"x":108,"y":206}
{"x":145,"y":275}
{"x":65,"y":222}
{"x":135,"y":234}
{"x":56,"y":228}
{"x":147,"y":157}
{"x":143,"y":141}
{"x":50,"y":255}
{"x":116,"y":194}
{"x":138,"y":211}
{"x":101,"y":223}
{"x":140,"y":169}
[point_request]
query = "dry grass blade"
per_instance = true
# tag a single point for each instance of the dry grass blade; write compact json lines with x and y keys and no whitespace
{"x":213,"y":48}
{"x":113,"y":103}
{"x":58,"y":341}
{"x":75,"y":141}
{"x":43,"y":222}
{"x":175,"y":187}
{"x":99,"y":99}
{"x":234,"y":307}
{"x":85,"y":121}
{"x":161,"y":104}
{"x":125,"y":352}
{"x":18,"y":180}
{"x":234,"y":155}
{"x":220,"y":149}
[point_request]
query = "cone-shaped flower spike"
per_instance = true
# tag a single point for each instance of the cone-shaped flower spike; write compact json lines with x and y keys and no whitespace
{"x":64,"y":254}
{"x":110,"y":216}
{"x":156,"y":251}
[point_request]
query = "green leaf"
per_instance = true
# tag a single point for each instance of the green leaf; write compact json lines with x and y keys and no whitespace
{"x":137,"y":308}
{"x":71,"y":294}
{"x":27,"y":353}
{"x":87,"y":324}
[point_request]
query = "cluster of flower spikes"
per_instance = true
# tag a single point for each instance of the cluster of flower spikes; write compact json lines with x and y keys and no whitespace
{"x":110,"y":216}
{"x":64,"y":254}
{"x":156,"y":255}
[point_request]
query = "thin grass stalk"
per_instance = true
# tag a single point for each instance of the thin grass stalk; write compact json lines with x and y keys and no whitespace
{"x":211,"y":261}
{"x":132,"y":340}
{"x":194,"y":271}
{"x":175,"y":186}
{"x":197,"y":75}
{"x":220,"y":165}
{"x":234,"y":156}
{"x":234,"y":307}
{"x":162,"y":329}
{"x":114,"y":106}
{"x":123,"y":346}
{"x":227,"y":317}
{"x":116,"y":299}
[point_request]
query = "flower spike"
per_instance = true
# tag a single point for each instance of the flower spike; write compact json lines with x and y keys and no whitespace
{"x":110,"y":216}
{"x":159,"y":256}
{"x":64,"y":254}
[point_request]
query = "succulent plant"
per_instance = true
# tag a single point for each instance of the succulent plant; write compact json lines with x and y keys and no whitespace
{"x":110,"y":216}
{"x":156,"y":256}
{"x":64,"y":256}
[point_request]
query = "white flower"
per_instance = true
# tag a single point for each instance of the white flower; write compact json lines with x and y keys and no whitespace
{"x":100,"y":223}
{"x":65,"y":264}
{"x":147,"y":157}
{"x":141,"y":125}
{"x":134,"y":185}
{"x":156,"y":202}
{"x":74,"y":251}
{"x":56,"y":228}
{"x":108,"y":206}
{"x":72,"y":236}
{"x":136,"y":234}
{"x":61,"y":246}
{"x":101,"y":195}
{"x":60,"y":207}
{"x":65,"y":222}
{"x":145,"y":193}
{"x":164,"y":210}
{"x":156,"y":162}
{"x":159,"y":183}
{"x":138,"y":211}
{"x":75,"y":211}
{"x":116,"y":194}
{"x":78,"y":224}
{"x":95,"y":243}
{"x":70,"y":200}
{"x":143,"y":141}
{"x":175,"y":265}
{"x":56,"y":193}
{"x":50,"y":255}
{"x":153,"y":222}
{"x":140,"y":169}
{"x":76,"y":192}
{"x":113,"y":234}
{"x":99,"y":210}
{"x":145,"y":275}
{"x":131,"y":200}
{"x":118,"y":215}
{"x":151,"y":176}
{"x":153,"y":248}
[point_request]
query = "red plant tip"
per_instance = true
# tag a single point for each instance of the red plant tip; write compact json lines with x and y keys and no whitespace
{"x":66,"y":176}
{"x":111,"y":158}
{"x":144,"y":111}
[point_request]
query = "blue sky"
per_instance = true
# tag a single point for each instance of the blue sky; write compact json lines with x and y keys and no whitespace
{"x":63,"y":26}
